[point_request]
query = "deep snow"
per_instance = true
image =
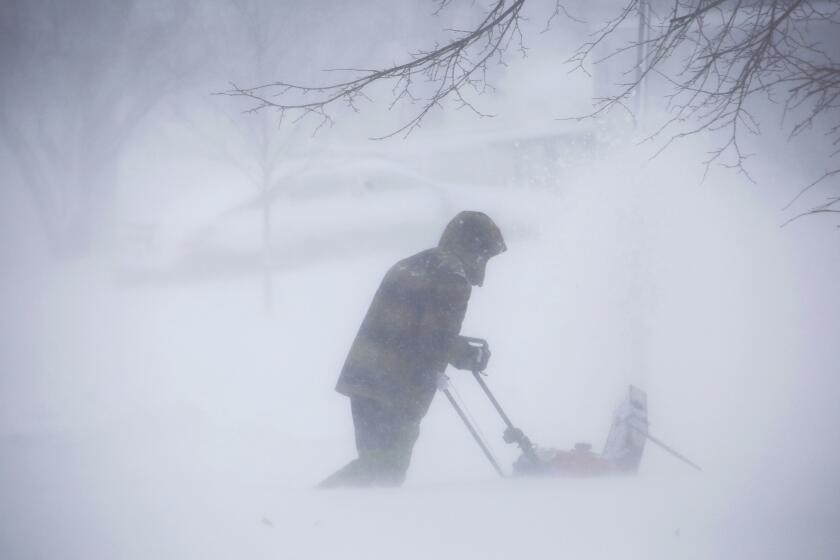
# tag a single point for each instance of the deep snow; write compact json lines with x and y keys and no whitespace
{"x":177,"y":421}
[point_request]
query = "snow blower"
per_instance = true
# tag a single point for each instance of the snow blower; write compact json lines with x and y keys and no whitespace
{"x":621,"y":455}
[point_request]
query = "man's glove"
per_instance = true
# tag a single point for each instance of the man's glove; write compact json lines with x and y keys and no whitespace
{"x":442,"y":381}
{"x":469,"y":353}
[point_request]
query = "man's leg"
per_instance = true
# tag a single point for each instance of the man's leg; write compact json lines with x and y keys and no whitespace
{"x":385,"y":438}
{"x":389,"y":443}
{"x":370,"y":420}
{"x":381,"y":440}
{"x":398,"y":444}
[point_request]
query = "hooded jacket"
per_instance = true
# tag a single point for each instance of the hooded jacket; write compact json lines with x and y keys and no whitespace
{"x":403,"y":342}
{"x":405,"y":338}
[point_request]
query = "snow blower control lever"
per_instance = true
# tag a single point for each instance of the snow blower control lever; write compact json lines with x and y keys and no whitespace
{"x":474,"y":433}
{"x":512,"y":434}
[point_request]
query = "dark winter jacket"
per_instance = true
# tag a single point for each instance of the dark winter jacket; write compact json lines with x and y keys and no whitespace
{"x":404,"y":339}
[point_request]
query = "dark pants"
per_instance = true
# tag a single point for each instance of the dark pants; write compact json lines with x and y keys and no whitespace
{"x":385,"y":437}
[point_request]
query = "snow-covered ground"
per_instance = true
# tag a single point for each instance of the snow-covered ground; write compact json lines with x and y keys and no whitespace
{"x":179,"y":422}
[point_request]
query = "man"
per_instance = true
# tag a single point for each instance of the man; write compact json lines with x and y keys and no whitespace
{"x":409,"y":335}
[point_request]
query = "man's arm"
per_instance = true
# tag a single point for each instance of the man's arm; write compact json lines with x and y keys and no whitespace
{"x":442,"y":316}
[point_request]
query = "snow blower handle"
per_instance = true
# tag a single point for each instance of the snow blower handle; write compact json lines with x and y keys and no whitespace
{"x":512,"y":433}
{"x":476,"y":436}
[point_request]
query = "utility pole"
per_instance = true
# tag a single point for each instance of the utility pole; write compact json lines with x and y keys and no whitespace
{"x":641,"y":56}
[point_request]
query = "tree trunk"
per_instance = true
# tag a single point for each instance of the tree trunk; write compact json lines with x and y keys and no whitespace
{"x":267,"y":261}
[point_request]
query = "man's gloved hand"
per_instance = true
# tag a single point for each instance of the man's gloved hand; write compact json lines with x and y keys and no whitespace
{"x":442,"y":381}
{"x":467,"y":354}
{"x":513,"y":435}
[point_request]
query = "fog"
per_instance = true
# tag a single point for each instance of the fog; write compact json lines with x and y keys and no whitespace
{"x":170,"y":343}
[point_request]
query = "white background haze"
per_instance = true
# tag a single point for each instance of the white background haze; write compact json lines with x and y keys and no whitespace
{"x":150,"y":407}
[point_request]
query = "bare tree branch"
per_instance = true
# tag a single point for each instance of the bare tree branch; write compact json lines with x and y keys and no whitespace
{"x":717,"y":56}
{"x":728,"y":54}
{"x":431,"y":77}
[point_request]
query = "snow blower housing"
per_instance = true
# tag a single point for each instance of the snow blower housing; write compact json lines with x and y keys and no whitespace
{"x":621,"y":455}
{"x":622,"y":451}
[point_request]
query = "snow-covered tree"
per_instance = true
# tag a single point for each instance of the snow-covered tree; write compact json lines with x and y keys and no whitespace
{"x":78,"y":79}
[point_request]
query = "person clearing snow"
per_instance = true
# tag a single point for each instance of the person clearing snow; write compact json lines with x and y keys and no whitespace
{"x":408,"y":336}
